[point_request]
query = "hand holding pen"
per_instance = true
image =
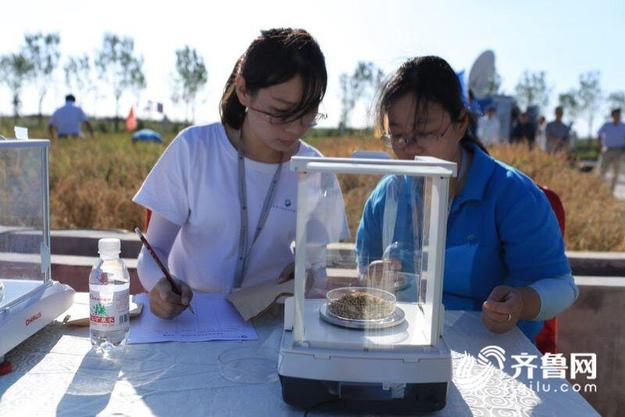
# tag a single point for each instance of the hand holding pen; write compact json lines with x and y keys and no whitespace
{"x":169,"y":297}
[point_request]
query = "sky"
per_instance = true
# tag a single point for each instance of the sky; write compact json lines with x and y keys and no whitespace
{"x":562,"y":38}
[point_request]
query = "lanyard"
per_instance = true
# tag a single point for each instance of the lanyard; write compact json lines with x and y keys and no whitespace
{"x":244,"y":249}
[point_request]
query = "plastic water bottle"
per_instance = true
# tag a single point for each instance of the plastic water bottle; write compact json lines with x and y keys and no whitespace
{"x":109,"y":284}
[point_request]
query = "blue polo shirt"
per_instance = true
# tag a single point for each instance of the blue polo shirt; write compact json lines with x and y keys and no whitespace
{"x":501,"y":230}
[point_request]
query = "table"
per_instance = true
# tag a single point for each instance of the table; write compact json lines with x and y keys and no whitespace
{"x":57,"y":373}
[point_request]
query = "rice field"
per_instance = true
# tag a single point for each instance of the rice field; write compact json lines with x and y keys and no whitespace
{"x":92,"y":182}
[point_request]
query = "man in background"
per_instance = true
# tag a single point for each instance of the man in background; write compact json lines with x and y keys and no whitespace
{"x":611,"y":138}
{"x":557,"y":133}
{"x":67,"y":120}
{"x":488,"y":127}
{"x":523,"y":131}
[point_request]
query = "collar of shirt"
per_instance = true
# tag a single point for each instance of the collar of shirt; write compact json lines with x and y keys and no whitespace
{"x":478,"y":175}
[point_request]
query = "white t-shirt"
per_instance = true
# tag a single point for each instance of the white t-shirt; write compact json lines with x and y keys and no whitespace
{"x":67,"y":119}
{"x":488,"y":130}
{"x":195,"y":184}
{"x":612,"y":135}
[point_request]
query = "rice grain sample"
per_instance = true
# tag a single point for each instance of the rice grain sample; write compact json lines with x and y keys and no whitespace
{"x":360,"y":305}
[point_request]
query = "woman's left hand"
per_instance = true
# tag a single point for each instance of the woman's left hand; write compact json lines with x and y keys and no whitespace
{"x":502,"y":309}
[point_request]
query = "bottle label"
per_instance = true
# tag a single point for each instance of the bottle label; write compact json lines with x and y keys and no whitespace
{"x":109,"y":310}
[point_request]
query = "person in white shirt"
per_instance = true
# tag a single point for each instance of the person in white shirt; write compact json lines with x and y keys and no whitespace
{"x":67,"y":120}
{"x":488,"y":127}
{"x":611,"y":137}
{"x":541,"y":137}
{"x":222,"y":196}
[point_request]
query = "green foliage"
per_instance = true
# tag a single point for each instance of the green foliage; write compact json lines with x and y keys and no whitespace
{"x":15,"y":71}
{"x":117,"y":64}
{"x":191,"y":76}
{"x":589,"y":95}
{"x":532,"y":89}
{"x":366,"y":78}
{"x":42,"y":51}
{"x":587,"y":150}
{"x":570,"y":104}
{"x":616,"y":100}
{"x":77,"y":71}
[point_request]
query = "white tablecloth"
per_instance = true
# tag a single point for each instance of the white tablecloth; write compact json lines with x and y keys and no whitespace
{"x":57,"y":373}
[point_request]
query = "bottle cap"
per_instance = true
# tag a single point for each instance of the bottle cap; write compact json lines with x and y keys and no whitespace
{"x":109,"y":247}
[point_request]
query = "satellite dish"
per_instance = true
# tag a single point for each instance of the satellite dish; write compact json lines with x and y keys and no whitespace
{"x":482,"y":73}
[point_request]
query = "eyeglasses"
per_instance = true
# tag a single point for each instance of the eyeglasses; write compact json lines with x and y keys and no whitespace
{"x":402,"y":141}
{"x":307,"y":120}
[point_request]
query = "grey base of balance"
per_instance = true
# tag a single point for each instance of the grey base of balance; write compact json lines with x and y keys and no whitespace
{"x":349,"y":397}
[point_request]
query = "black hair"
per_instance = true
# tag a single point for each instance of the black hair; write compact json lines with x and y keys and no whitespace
{"x":275,"y":57}
{"x":70,"y":97}
{"x":431,"y":80}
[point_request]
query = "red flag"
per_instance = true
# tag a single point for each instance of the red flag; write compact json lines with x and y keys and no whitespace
{"x":131,"y":120}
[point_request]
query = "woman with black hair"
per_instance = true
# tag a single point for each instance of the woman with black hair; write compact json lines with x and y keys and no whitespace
{"x":504,"y":249}
{"x":222,"y":198}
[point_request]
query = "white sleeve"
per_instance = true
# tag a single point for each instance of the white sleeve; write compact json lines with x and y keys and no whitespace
{"x":161,"y":235}
{"x":556,"y":295}
{"x":165,"y":190}
{"x":480,"y":128}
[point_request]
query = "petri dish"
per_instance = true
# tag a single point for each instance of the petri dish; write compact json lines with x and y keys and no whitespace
{"x":360,"y":303}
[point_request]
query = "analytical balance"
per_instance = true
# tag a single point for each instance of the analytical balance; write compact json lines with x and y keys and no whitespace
{"x":29,"y":299}
{"x":367,"y":334}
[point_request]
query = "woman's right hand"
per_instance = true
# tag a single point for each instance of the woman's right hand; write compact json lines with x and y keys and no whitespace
{"x":165,"y":303}
{"x":375,"y":272}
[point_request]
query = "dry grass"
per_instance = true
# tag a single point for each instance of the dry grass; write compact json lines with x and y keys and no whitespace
{"x":92,"y":183}
{"x":595,"y":220}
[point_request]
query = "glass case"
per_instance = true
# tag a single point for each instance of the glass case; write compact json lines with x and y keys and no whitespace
{"x":370,"y":277}
{"x":24,"y":220}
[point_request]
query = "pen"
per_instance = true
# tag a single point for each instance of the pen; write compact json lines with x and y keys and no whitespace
{"x":173,"y":284}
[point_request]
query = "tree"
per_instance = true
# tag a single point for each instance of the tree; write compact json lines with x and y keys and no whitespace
{"x":191,"y":76}
{"x":589,"y":96}
{"x":617,"y":100}
{"x":366,"y":78}
{"x":570,"y":104}
{"x":117,"y":65}
{"x":532,"y":89}
{"x":15,"y":71}
{"x":42,"y":50}
{"x":77,"y":71}
{"x":79,"y":77}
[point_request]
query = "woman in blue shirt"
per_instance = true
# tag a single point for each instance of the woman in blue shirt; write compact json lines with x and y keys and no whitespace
{"x":504,"y":249}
